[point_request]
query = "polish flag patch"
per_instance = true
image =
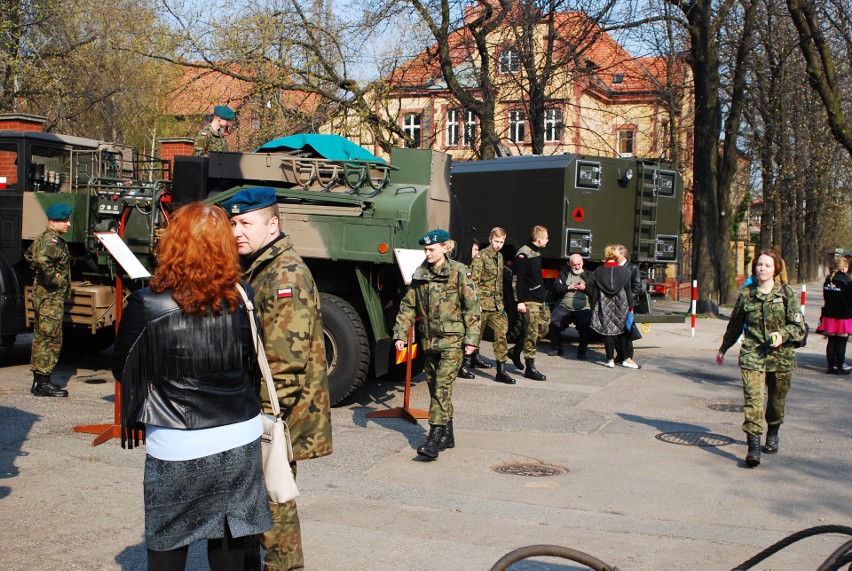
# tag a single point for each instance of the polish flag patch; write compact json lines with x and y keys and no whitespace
{"x":286,"y":292}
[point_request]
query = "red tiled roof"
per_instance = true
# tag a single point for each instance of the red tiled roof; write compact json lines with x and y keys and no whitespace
{"x":605,"y":53}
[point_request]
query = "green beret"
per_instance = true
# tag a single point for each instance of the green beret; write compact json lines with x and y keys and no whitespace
{"x":435,"y":236}
{"x":58,"y":212}
{"x":224,"y":112}
{"x":249,"y":199}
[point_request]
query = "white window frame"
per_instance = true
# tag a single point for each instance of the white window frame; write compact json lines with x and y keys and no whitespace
{"x":412,"y":125}
{"x":453,"y":127}
{"x":553,"y":126}
{"x":468,"y":132}
{"x":510,"y":60}
{"x":517,"y":126}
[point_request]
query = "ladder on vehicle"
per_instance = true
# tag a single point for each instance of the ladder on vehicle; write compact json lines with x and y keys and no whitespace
{"x":647,"y":197}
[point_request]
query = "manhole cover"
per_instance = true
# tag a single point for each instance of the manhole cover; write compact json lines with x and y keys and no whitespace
{"x":536,"y":470}
{"x":726,"y":406}
{"x":695,"y":438}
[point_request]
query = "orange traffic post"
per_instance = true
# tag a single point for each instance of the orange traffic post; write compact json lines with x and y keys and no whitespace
{"x":410,"y":414}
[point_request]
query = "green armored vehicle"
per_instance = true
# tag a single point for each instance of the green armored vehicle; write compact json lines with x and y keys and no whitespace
{"x":346,"y":213}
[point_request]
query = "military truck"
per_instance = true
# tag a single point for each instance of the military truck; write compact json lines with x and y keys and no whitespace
{"x":101,"y":182}
{"x":585,"y":202}
{"x":346,"y":218}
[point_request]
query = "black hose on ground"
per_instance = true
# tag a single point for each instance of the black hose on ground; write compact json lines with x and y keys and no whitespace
{"x":790,"y":539}
{"x":551,"y":551}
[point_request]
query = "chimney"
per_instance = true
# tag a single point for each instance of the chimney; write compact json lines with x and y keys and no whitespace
{"x":175,"y":147}
{"x":21,"y":122}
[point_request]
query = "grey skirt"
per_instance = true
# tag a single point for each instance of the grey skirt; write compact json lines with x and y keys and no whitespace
{"x":187,"y":501}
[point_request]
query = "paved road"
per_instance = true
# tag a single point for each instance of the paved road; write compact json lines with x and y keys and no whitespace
{"x":625,"y":496}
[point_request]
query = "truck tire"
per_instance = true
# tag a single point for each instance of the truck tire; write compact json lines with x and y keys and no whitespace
{"x":347,"y":347}
{"x":81,"y":342}
{"x":6,"y":344}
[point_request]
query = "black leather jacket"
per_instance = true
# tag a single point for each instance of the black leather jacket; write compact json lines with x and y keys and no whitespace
{"x":184,"y":371}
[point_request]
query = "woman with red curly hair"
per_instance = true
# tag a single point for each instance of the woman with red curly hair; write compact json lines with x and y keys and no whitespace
{"x":187,"y":367}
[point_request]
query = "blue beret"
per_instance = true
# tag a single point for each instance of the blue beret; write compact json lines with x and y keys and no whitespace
{"x":249,"y":199}
{"x":224,"y":112}
{"x":58,"y":212}
{"x":435,"y":236}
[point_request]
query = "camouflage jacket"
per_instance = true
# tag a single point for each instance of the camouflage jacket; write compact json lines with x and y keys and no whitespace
{"x":49,"y":258}
{"x":486,"y":271}
{"x":208,"y":140}
{"x":288,"y":304}
{"x":447,"y":304}
{"x":761,"y":314}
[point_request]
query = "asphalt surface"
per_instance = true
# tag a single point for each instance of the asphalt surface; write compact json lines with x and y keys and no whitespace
{"x":610,"y":486}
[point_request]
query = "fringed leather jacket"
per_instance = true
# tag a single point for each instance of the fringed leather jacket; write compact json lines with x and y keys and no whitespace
{"x":184,"y":371}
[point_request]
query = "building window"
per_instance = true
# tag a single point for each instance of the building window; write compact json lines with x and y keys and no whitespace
{"x":517,"y":126}
{"x":411,"y":127}
{"x":453,"y":116}
{"x":553,"y":125}
{"x":625,"y":141}
{"x":460,"y":134}
{"x":510,"y":60}
{"x":469,"y":133}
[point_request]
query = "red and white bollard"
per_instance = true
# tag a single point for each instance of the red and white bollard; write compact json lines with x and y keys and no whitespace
{"x":804,"y":295}
{"x":694,"y":302}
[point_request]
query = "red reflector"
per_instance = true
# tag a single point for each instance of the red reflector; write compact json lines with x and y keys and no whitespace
{"x":549,"y":274}
{"x":383,"y":248}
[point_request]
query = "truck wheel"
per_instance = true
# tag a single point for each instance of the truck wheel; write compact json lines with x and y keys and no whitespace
{"x":6,"y":344}
{"x":83,"y":342}
{"x":347,"y":347}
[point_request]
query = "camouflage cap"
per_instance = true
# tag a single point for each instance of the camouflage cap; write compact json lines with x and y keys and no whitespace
{"x":435,"y":236}
{"x":58,"y":212}
{"x":249,"y":199}
{"x":224,"y":112}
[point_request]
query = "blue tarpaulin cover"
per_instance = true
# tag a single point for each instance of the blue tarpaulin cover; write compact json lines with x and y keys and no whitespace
{"x":331,"y":147}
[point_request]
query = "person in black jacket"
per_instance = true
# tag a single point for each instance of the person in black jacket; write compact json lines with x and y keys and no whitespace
{"x":530,"y":293}
{"x":625,"y":359}
{"x":188,"y":371}
{"x":612,"y":302}
{"x":836,"y":320}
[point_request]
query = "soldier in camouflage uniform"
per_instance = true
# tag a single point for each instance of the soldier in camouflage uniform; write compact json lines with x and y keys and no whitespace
{"x":530,"y":293}
{"x":773,"y":322}
{"x":288,"y":304}
{"x":49,"y":258}
{"x":444,"y":297}
{"x":212,"y":136}
{"x":487,"y":273}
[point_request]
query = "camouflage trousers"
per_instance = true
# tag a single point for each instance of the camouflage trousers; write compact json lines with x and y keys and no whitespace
{"x":499,"y":324}
{"x":282,"y":543}
{"x":777,"y":385}
{"x":47,"y":338}
{"x":536,"y":326}
{"x":440,"y":369}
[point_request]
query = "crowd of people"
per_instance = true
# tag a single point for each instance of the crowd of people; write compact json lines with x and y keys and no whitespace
{"x":201,"y":410}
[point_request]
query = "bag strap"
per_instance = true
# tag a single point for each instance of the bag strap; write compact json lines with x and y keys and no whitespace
{"x":261,"y":353}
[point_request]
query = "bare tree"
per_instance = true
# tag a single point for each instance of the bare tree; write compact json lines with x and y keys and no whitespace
{"x":815,"y":44}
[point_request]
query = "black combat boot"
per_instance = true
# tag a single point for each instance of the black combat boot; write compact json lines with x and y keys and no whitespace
{"x":753,"y":456}
{"x":477,"y":363}
{"x":447,"y":440}
{"x":515,"y":356}
{"x":532,"y":373}
{"x":555,"y":350}
{"x":464,"y":372}
{"x":431,"y":447}
{"x":502,"y":376}
{"x":42,"y":387}
{"x":772,"y":440}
